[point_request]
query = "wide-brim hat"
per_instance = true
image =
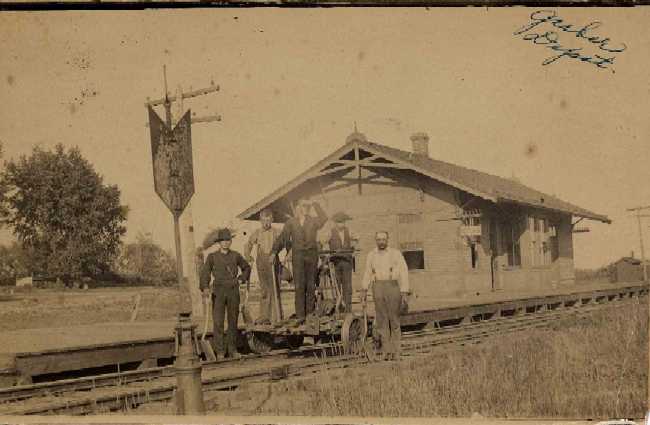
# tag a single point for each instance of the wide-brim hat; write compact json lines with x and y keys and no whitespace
{"x":217,"y":235}
{"x":340,"y":217}
{"x":224,"y":235}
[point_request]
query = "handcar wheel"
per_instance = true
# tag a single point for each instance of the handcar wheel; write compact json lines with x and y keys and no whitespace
{"x":259,"y":342}
{"x":295,"y":341}
{"x":353,"y":334}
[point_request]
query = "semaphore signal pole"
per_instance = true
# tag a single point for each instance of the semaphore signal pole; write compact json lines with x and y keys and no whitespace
{"x":173,"y":173}
{"x":173,"y":168}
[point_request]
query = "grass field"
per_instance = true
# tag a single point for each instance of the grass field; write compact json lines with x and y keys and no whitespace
{"x":594,"y":369}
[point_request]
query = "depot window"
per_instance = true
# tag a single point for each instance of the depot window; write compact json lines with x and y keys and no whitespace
{"x":510,"y":233}
{"x":413,"y":253}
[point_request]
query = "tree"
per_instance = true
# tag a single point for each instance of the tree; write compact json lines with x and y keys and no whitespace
{"x":14,"y":262}
{"x":146,"y":260}
{"x":62,"y":213}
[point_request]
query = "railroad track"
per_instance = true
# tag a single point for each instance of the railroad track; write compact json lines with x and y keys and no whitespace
{"x":118,"y":391}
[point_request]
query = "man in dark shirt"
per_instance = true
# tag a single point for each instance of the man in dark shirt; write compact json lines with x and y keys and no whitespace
{"x":223,"y":265}
{"x":340,"y":241}
{"x":299,"y":235}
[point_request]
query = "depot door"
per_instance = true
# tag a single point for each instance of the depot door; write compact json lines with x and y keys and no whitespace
{"x":494,"y":255}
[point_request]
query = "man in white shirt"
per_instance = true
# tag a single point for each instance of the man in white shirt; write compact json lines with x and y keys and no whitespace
{"x":386,"y":269}
{"x":264,"y":237}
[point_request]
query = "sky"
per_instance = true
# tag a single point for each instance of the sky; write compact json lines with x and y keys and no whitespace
{"x":294,"y":81}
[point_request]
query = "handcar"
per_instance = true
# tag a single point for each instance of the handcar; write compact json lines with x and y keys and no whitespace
{"x":331,"y":320}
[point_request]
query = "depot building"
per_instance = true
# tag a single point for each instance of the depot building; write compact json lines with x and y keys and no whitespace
{"x":460,"y":230}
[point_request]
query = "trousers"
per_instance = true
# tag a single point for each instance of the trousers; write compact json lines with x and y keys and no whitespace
{"x":388,"y":300}
{"x":265,"y":270}
{"x":344,"y":279}
{"x":304,"y":277}
{"x":225,"y":300}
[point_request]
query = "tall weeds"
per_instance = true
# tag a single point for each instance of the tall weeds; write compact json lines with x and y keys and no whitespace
{"x":588,"y":368}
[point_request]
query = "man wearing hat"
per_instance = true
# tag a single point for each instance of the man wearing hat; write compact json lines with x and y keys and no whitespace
{"x":224,"y":265}
{"x":299,"y":235}
{"x":264,"y":237}
{"x":340,"y":241}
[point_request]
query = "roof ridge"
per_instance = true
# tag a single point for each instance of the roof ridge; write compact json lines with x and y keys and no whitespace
{"x":480,"y":183}
{"x":540,"y":196}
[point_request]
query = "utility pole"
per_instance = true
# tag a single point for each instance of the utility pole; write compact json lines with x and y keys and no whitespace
{"x":183,"y":220}
{"x":638,"y":214}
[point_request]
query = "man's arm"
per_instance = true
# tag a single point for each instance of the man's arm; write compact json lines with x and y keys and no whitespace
{"x":206,"y":273}
{"x":403,"y":272}
{"x":245,"y":268}
{"x":367,"y":275}
{"x":248,"y":247}
{"x":281,"y":241}
{"x":321,"y":217}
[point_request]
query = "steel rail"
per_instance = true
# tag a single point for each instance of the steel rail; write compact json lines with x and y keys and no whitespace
{"x":140,"y":390}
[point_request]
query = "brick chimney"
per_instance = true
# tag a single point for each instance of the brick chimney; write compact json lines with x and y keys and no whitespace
{"x":420,"y":144}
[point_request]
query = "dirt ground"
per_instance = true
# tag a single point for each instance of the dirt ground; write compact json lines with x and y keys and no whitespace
{"x":48,"y":308}
{"x":44,"y":308}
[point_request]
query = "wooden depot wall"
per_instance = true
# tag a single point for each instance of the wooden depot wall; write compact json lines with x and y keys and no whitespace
{"x":419,"y":213}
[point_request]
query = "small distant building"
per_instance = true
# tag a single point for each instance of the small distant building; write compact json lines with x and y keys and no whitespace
{"x":460,"y":230}
{"x":626,"y":269}
{"x":24,"y":282}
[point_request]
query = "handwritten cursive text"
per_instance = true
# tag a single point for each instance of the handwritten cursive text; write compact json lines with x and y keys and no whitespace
{"x":550,"y":39}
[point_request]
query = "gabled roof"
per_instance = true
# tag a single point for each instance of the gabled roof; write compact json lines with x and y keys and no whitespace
{"x":629,"y":260}
{"x":478,"y":183}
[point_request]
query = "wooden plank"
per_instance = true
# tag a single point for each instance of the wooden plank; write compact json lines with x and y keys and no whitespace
{"x":536,"y":303}
{"x":358,"y":167}
{"x":63,"y":361}
{"x":334,"y":170}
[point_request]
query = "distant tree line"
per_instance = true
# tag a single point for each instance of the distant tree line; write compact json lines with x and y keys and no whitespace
{"x":145,"y":261}
{"x":69,"y":224}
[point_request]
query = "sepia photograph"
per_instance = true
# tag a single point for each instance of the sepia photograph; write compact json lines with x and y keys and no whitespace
{"x":325,"y":215}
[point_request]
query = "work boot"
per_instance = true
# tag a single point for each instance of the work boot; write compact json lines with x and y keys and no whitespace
{"x":389,"y":357}
{"x":235,"y":355}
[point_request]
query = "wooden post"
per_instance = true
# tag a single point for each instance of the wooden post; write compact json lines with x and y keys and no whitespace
{"x":186,"y":272}
{"x":645,"y":274}
{"x":188,"y":244}
{"x":190,"y":272}
{"x":182,"y":283}
{"x":177,"y":243}
{"x":645,"y":279}
{"x":187,"y":364}
{"x":358,"y":166}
